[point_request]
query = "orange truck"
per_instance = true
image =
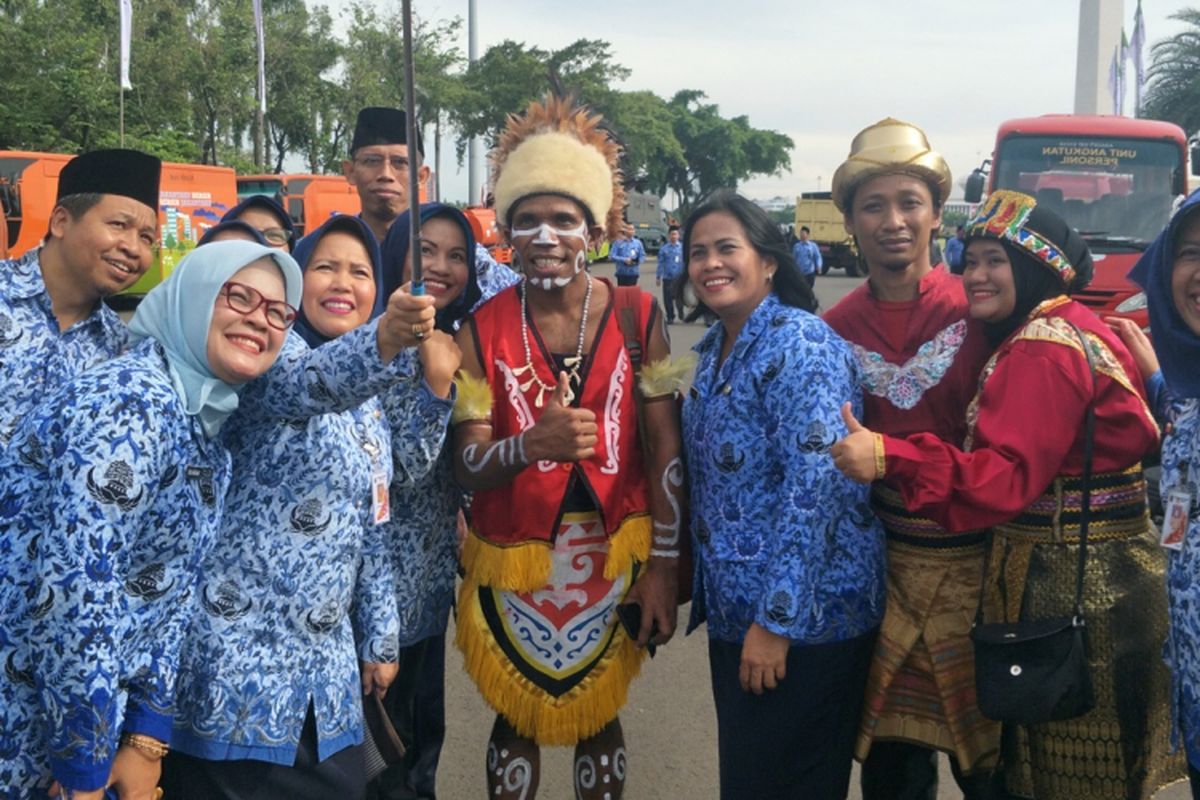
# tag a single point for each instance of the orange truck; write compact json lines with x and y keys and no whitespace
{"x":192,"y":198}
{"x":483,"y":227}
{"x":309,"y":199}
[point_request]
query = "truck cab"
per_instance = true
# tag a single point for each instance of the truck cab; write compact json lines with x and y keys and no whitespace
{"x":1113,"y":179}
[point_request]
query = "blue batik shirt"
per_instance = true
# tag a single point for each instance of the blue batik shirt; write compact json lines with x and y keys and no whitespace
{"x":302,"y":571}
{"x":622,"y":249}
{"x":492,"y":276}
{"x":424,"y":526}
{"x":780,"y":536}
{"x":1181,"y":470}
{"x":111,"y":496}
{"x":808,"y":256}
{"x":35,"y":356}
{"x":423,"y":545}
{"x":670,"y":261}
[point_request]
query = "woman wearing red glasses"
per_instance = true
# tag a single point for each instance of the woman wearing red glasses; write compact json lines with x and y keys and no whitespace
{"x":112,"y":492}
{"x":270,"y":693}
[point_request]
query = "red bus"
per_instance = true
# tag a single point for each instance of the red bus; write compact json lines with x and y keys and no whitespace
{"x":1113,"y":179}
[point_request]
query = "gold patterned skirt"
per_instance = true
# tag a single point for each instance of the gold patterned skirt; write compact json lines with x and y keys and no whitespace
{"x":921,"y":686}
{"x":1120,"y":749}
{"x":551,"y":658}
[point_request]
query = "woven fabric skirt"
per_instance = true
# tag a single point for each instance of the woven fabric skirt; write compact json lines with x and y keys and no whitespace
{"x":921,"y":687}
{"x":1120,"y":749}
{"x":553,"y":661}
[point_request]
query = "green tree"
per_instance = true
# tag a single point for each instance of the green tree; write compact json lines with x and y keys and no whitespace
{"x":644,"y":123}
{"x":511,"y":74}
{"x":719,"y":152}
{"x":303,"y":114}
{"x":1173,"y":83}
{"x":374,"y":67}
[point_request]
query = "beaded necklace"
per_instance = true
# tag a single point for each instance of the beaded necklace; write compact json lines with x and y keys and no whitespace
{"x":573,"y":363}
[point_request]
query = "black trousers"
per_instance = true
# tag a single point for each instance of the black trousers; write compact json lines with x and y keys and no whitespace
{"x":627,"y":280}
{"x":904,"y":771}
{"x":340,"y":776}
{"x":416,"y":704}
{"x":795,"y":742}
{"x":673,"y":298}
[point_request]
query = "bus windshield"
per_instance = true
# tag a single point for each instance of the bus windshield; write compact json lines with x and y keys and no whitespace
{"x":1106,"y":188}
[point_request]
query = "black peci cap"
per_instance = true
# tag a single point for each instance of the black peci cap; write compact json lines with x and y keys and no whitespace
{"x":380,"y":125}
{"x":128,"y":173}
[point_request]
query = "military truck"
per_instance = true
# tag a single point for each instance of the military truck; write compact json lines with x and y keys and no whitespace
{"x":645,"y":213}
{"x":817,"y":211}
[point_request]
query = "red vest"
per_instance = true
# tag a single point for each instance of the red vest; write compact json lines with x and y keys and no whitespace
{"x":529,"y":508}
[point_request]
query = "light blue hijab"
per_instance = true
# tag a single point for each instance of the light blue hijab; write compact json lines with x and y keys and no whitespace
{"x":178,"y":312}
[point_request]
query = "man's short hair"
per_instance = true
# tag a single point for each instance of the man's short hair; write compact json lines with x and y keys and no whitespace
{"x":805,"y":229}
{"x":78,"y":204}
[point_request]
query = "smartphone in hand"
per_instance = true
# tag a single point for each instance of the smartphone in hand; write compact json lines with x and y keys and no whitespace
{"x":630,"y":616}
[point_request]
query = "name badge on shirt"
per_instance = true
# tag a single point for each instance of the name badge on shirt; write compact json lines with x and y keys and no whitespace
{"x":1177,"y":507}
{"x":381,"y":509}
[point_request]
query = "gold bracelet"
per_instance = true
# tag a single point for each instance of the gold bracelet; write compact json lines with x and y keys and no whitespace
{"x":880,"y":457}
{"x":146,"y":744}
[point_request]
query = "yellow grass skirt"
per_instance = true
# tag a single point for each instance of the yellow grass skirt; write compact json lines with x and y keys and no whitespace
{"x":553,"y":660}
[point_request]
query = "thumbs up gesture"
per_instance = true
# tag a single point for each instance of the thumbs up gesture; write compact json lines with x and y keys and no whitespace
{"x":854,"y":454}
{"x":562,"y":433}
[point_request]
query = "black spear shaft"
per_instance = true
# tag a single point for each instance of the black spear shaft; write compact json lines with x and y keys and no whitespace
{"x":414,"y":186}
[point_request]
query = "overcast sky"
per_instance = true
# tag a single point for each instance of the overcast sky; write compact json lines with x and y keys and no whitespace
{"x":821,"y":71}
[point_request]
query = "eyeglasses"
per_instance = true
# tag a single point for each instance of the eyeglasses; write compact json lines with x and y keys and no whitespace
{"x":245,"y":300}
{"x":374,"y":162}
{"x":275,"y":236}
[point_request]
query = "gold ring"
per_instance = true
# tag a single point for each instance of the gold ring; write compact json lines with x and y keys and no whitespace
{"x":418,"y":332}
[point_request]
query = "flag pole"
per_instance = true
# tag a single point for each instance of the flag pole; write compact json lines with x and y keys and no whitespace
{"x":121,"y":104}
{"x":414,"y":187}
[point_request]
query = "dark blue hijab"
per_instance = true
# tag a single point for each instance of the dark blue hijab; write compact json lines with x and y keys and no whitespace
{"x":1177,"y":345}
{"x":395,"y":251}
{"x":232,"y":225}
{"x":270,"y":204}
{"x":346,"y":223}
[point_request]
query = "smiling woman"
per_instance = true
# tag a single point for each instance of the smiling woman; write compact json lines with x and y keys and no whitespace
{"x":789,"y":559}
{"x":130,"y":446}
{"x":303,"y":566}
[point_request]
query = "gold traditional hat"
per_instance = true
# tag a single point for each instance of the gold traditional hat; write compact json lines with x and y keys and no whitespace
{"x":888,"y":147}
{"x":556,"y":147}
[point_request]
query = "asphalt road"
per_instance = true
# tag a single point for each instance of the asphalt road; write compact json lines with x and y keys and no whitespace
{"x":669,"y":723}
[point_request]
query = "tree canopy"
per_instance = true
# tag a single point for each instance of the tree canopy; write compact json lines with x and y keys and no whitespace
{"x":193,"y":97}
{"x":1173,"y":85}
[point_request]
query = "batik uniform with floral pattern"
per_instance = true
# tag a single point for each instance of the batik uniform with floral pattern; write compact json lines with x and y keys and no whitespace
{"x":492,"y":276}
{"x":1181,"y":470}
{"x":35,"y":356}
{"x":781,"y":538}
{"x":111,"y":496}
{"x":300,"y":573}
{"x":424,"y":525}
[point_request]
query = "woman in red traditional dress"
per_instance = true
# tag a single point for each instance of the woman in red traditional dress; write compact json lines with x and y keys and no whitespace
{"x":1018,"y":474}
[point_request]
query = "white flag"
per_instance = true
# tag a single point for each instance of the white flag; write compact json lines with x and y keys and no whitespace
{"x":1137,"y":47}
{"x":1114,"y":80}
{"x":262,"y":56}
{"x":126,"y":36}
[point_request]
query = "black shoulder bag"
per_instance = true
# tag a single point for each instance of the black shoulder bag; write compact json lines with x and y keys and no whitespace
{"x":1037,"y":671}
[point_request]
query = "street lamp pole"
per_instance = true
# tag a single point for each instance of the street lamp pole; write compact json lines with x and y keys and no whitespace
{"x":473,"y":156}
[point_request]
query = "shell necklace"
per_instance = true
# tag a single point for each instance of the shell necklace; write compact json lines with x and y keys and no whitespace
{"x":573,"y":363}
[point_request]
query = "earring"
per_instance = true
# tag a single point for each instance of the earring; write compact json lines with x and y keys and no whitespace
{"x":770,"y":275}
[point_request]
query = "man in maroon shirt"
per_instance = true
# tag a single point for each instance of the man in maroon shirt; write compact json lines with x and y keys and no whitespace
{"x":919,"y":359}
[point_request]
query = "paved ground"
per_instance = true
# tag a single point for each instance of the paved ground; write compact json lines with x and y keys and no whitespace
{"x":670,"y":727}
